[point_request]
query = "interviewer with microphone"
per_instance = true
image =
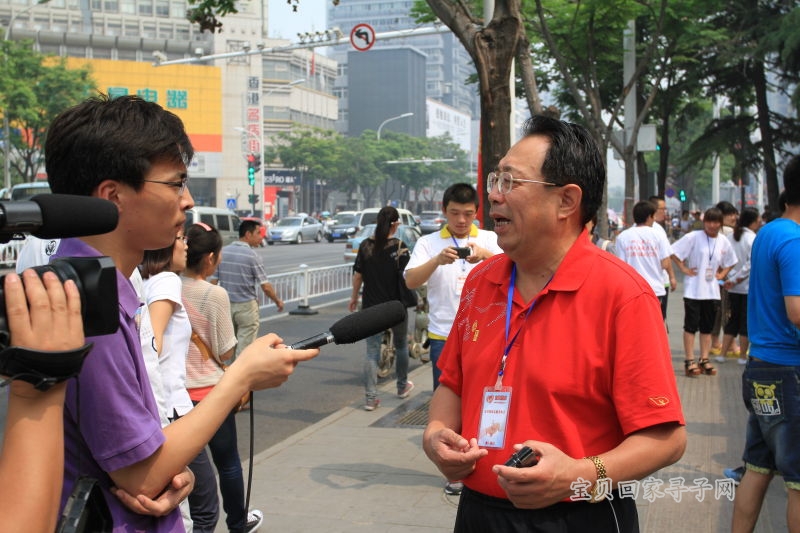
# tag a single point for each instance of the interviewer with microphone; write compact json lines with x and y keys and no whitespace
{"x":135,"y":154}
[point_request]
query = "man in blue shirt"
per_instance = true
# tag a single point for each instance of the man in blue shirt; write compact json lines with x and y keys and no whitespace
{"x":771,"y":380}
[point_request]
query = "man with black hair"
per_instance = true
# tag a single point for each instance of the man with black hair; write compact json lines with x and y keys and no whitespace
{"x":647,"y":251}
{"x":135,"y":154}
{"x":533,"y":360}
{"x":770,"y":380}
{"x":241,"y":273}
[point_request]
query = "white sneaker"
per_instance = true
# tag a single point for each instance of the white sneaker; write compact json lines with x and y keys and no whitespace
{"x":405,"y":392}
{"x":254,"y":519}
{"x":719,"y":359}
{"x":742,"y":361}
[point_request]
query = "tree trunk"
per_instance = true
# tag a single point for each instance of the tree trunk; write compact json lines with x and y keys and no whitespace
{"x":767,"y":144}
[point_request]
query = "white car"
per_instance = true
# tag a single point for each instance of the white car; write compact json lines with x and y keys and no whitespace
{"x":296,"y":229}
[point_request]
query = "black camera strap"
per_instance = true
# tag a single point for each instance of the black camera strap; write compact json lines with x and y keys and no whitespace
{"x":42,"y":369}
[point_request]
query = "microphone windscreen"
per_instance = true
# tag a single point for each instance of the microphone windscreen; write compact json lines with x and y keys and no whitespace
{"x":368,"y":322}
{"x":68,"y":215}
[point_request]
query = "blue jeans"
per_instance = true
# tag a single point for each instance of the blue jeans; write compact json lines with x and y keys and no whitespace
{"x":436,"y":347}
{"x":203,"y":501}
{"x":400,"y":332}
{"x":771,"y":394}
{"x":225,"y":454}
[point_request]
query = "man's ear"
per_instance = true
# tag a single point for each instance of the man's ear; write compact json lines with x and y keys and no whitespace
{"x":109,"y":190}
{"x":571,"y":196}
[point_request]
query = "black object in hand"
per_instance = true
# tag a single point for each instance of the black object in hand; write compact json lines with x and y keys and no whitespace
{"x":462,"y":251}
{"x":524,"y":457}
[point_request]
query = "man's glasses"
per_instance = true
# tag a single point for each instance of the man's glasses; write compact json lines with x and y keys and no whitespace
{"x":505,"y":182}
{"x":179,"y":185}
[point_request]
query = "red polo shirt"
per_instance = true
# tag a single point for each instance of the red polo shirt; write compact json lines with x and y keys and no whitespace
{"x":591,"y":364}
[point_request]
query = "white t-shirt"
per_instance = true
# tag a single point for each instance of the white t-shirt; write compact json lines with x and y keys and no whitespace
{"x":446,"y":282}
{"x":175,"y":344}
{"x":742,"y":248}
{"x":662,"y":233}
{"x":706,"y":255}
{"x":644,"y":249}
{"x":36,"y":252}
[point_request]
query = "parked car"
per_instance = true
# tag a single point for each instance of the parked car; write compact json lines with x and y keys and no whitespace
{"x":263,"y":228}
{"x":408,"y":234}
{"x":343,"y":225}
{"x":295,"y":229}
{"x":225,"y":221}
{"x":431,"y":221}
{"x":26,"y":191}
{"x":370,"y":216}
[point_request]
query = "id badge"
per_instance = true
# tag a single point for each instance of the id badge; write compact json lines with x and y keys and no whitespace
{"x":460,"y":283}
{"x":494,"y":417}
{"x":709,"y":274}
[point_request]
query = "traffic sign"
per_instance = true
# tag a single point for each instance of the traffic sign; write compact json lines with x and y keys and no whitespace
{"x":362,"y":37}
{"x":230,"y":203}
{"x":670,"y":192}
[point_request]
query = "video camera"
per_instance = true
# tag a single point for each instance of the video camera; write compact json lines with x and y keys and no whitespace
{"x":53,"y":216}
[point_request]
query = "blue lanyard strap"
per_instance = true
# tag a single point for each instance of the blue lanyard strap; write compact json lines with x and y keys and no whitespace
{"x":711,"y":250}
{"x":463,"y":261}
{"x":509,"y":311}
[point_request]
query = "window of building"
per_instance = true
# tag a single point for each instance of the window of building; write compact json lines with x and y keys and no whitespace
{"x":111,"y":6}
{"x":162,"y":8}
{"x":127,"y":7}
{"x":145,"y":7}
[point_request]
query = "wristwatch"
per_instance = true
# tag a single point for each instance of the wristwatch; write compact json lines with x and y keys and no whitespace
{"x":600,"y":467}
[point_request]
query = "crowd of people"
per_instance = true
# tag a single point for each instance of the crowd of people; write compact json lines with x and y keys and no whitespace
{"x":524,"y":360}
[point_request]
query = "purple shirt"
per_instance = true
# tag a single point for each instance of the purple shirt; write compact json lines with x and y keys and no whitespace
{"x":119,"y":422}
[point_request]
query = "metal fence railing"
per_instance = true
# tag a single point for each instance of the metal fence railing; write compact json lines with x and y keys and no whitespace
{"x":300,"y":285}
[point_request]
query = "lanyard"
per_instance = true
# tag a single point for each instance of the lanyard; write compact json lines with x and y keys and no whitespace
{"x":463,"y":261}
{"x":711,"y":249}
{"x":509,"y":306}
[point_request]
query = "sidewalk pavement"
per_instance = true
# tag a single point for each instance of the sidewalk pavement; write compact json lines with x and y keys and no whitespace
{"x":358,"y":471}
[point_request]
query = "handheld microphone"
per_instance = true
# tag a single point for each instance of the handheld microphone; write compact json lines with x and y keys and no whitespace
{"x":358,"y":326}
{"x":55,"y":216}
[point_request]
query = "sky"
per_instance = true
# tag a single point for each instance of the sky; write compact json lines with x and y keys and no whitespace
{"x":286,"y":24}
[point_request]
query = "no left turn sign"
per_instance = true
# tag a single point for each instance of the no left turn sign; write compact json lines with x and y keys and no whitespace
{"x":362,"y":37}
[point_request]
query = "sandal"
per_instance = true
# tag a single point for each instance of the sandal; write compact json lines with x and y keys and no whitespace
{"x":706,"y":368}
{"x":691,"y":368}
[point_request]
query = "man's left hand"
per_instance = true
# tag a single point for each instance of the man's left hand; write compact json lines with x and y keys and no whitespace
{"x":177,"y":491}
{"x":545,"y":483}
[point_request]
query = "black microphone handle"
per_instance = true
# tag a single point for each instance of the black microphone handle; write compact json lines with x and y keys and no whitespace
{"x":316,"y":341}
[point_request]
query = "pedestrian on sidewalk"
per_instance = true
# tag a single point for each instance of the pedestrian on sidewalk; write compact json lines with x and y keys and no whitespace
{"x":659,"y":226}
{"x":770,"y":381}
{"x":212,"y":346}
{"x":241,"y":273}
{"x":705,"y":257}
{"x":436,"y":262}
{"x":379,"y":268}
{"x":533,"y":360}
{"x":738,"y":283}
{"x":729,"y":217}
{"x":647,"y":251}
{"x":168,"y":343}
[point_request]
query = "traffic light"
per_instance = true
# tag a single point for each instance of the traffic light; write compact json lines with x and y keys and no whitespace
{"x":251,"y":169}
{"x":682,"y":195}
{"x":252,"y":199}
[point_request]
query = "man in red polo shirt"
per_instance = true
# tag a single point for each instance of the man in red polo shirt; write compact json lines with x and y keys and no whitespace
{"x":558,"y":347}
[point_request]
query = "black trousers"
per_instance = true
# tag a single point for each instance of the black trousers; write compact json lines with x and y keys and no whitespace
{"x":479,"y":513}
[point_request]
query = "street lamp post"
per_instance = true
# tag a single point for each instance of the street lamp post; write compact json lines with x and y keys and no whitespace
{"x":398,"y":117}
{"x":6,"y":124}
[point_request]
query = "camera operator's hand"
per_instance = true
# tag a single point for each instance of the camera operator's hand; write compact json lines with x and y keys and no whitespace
{"x":178,"y":490}
{"x":267,"y":363}
{"x":42,"y":315}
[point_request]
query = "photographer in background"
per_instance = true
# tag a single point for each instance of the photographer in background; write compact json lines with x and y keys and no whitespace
{"x":32,"y":459}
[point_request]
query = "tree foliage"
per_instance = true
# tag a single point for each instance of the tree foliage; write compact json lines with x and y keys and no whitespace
{"x":349,"y":164}
{"x":34,"y":88}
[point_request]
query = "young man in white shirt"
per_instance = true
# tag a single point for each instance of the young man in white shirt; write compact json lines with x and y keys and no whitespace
{"x":647,"y":251}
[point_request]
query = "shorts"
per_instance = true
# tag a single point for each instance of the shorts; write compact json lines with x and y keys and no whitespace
{"x":737,"y":321}
{"x":771,"y":394}
{"x":699,"y":314}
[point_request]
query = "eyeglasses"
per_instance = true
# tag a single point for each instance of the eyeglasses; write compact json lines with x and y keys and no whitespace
{"x":183,"y":238}
{"x":505,"y":182}
{"x":180,"y":185}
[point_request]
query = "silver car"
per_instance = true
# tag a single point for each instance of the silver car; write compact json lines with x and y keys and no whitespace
{"x":295,"y":230}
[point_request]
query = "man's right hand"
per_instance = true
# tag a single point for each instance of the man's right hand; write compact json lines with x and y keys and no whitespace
{"x":452,"y":454}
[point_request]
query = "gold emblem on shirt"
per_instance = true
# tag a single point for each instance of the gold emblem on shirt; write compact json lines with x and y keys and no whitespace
{"x":475,"y":331}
